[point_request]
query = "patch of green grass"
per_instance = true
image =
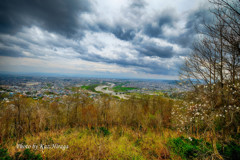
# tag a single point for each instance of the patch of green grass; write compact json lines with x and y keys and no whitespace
{"x":119,"y":88}
{"x":104,"y":131}
{"x":116,"y":97}
{"x":27,"y":154}
{"x":90,"y":87}
{"x":190,"y":148}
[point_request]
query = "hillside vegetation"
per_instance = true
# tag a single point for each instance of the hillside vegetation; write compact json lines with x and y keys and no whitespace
{"x":142,"y":127}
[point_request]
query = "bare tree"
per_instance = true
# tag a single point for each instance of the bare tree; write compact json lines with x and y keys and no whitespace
{"x":215,"y":63}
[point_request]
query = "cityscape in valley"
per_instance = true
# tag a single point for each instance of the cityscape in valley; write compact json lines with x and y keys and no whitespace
{"x":120,"y":80}
{"x":55,"y":87}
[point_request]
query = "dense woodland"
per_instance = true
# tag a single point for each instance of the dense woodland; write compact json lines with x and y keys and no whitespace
{"x":202,"y":124}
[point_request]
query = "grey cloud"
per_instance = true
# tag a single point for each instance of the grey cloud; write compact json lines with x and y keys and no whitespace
{"x":139,"y":64}
{"x":152,"y":49}
{"x":10,"y":43}
{"x":147,"y":67}
{"x":8,"y":47}
{"x":124,"y":34}
{"x":168,"y":19}
{"x":10,"y":52}
{"x":160,"y":70}
{"x":123,"y":31}
{"x":155,"y":28}
{"x":53,"y":15}
{"x":138,"y":4}
{"x":195,"y":21}
{"x":136,"y":9}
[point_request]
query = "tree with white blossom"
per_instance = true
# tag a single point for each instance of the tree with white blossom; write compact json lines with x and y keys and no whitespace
{"x":213,"y":70}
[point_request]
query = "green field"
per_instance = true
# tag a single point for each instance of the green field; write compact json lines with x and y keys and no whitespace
{"x":90,"y":87}
{"x":119,"y":88}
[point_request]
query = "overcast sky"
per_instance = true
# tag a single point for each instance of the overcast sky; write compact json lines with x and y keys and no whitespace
{"x":102,"y":38}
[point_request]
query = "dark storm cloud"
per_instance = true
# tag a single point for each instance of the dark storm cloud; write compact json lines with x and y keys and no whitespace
{"x":134,"y":12}
{"x":195,"y":21}
{"x":155,"y":28}
{"x":136,"y":9}
{"x":138,"y":4}
{"x":124,"y":33}
{"x":162,"y":70}
{"x":53,"y":15}
{"x":10,"y":52}
{"x":12,"y":48}
{"x":151,"y":49}
{"x":146,"y":67}
{"x":7,"y":42}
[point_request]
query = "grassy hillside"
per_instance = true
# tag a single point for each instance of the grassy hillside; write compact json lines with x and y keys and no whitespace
{"x":98,"y":143}
{"x":141,"y":127}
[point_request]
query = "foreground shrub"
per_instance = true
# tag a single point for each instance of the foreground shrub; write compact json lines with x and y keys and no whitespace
{"x":189,"y":148}
{"x":25,"y":155}
{"x":104,"y":131}
{"x":230,"y":151}
{"x":4,"y":154}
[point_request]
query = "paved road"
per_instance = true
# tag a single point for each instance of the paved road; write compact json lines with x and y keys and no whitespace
{"x":100,"y":88}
